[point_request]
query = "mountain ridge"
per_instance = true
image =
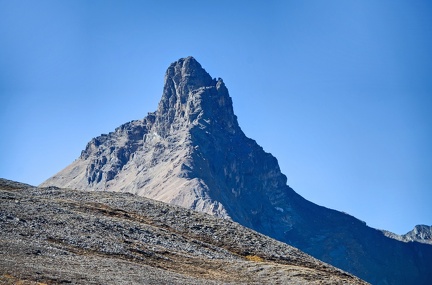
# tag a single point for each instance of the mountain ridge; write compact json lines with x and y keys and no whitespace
{"x":191,"y":152}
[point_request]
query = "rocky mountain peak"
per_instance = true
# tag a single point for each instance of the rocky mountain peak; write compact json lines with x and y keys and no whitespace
{"x":191,"y":97}
{"x":186,"y":74}
{"x":420,"y":233}
{"x":192,"y":153}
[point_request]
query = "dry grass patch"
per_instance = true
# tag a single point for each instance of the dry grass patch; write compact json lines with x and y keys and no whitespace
{"x":255,"y":258}
{"x":8,"y":279}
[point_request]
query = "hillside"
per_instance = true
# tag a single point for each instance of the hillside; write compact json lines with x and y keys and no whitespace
{"x":63,"y":236}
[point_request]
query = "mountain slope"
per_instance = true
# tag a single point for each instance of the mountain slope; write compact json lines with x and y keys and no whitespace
{"x":191,"y":152}
{"x":60,"y":236}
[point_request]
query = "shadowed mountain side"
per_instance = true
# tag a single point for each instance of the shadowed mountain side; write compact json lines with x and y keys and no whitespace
{"x":58,"y":236}
{"x":191,"y":152}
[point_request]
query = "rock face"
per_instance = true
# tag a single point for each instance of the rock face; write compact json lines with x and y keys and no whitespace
{"x":58,"y":236}
{"x":191,"y":152}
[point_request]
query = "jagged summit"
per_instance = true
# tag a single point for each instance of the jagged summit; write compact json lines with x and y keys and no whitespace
{"x":191,"y":152}
{"x":190,"y":96}
{"x":184,"y":76}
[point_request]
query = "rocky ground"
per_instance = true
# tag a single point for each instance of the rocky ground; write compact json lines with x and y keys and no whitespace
{"x":58,"y":236}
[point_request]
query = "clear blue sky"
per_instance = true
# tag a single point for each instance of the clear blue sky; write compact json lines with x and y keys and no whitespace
{"x":339,"y":91}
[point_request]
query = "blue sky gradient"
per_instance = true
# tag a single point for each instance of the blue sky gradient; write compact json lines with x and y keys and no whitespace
{"x":339,"y":91}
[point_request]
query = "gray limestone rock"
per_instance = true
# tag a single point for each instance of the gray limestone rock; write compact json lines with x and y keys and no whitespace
{"x":191,"y":152}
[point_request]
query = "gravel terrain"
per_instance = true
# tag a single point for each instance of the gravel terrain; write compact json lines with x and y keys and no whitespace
{"x":62,"y":236}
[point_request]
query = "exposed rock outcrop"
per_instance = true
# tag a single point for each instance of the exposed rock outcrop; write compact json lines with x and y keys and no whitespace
{"x":191,"y":152}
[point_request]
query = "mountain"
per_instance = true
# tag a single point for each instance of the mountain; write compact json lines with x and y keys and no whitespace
{"x":61,"y":236}
{"x":420,"y":233}
{"x":191,"y":152}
